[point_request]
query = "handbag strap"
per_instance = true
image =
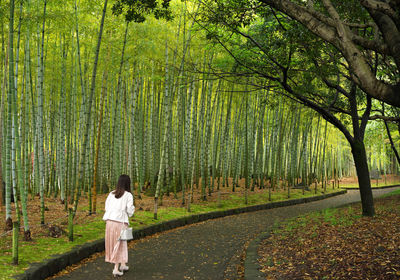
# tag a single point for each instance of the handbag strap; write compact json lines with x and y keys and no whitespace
{"x":118,"y":241}
{"x":115,"y":248}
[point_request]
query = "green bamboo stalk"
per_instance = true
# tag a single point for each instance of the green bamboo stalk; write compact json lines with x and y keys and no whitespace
{"x":258,"y":160}
{"x":164,"y":151}
{"x":140,"y":135}
{"x":134,"y":127}
{"x":246,"y":151}
{"x":188,"y":147}
{"x":3,"y":71}
{"x":323,"y":159}
{"x":225,"y":144}
{"x":15,"y":243}
{"x":81,"y":174}
{"x":207,"y":138}
{"x":3,"y":174}
{"x":215,"y":134}
{"x":96,"y":161}
{"x":25,"y":140}
{"x":237,"y":146}
{"x":40,"y":129}
{"x":9,"y":143}
{"x":17,"y":177}
{"x":200,"y":135}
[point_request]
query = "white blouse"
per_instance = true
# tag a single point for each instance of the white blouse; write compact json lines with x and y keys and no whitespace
{"x":119,"y":209}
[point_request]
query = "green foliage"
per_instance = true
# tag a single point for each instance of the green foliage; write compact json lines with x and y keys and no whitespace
{"x":136,"y":10}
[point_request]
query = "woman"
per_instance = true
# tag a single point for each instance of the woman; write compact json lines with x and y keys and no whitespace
{"x":119,"y":207}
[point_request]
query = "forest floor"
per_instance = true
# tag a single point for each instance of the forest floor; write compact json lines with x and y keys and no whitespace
{"x":55,"y":213}
{"x":336,"y":244}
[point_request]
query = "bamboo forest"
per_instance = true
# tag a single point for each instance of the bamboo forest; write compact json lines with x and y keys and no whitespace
{"x":207,"y":106}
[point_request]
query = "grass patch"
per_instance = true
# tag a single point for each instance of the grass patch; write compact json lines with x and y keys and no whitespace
{"x":396,"y":192}
{"x":373,"y":185}
{"x":340,"y":217}
{"x":43,"y":247}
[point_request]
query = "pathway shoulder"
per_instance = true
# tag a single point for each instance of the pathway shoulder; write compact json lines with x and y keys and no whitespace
{"x":251,"y":264}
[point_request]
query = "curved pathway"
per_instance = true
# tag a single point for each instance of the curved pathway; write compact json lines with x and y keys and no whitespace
{"x":208,"y":250}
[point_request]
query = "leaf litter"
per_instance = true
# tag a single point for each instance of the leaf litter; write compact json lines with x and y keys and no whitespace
{"x":336,"y":244}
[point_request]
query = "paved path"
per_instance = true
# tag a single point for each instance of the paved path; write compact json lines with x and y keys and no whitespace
{"x":207,"y":250}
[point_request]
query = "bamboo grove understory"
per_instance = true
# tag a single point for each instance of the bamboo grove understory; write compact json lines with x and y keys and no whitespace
{"x":162,"y":116}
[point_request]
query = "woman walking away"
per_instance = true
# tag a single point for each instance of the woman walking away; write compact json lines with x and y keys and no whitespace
{"x":119,"y":207}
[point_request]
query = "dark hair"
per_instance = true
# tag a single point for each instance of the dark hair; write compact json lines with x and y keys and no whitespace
{"x":124,"y":184}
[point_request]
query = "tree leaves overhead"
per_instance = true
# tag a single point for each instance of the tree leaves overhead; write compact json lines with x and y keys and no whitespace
{"x":364,"y":33}
{"x":137,"y":10}
{"x":235,"y":13}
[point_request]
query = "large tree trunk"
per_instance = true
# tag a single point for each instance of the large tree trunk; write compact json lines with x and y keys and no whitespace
{"x":360,"y":160}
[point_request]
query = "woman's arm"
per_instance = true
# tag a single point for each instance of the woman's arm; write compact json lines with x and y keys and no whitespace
{"x":130,"y":208}
{"x":106,"y":207}
{"x":106,"y":215}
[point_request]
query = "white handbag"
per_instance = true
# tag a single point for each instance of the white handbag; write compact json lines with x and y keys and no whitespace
{"x":126,"y":234}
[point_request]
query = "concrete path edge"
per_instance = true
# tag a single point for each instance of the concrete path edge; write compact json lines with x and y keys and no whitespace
{"x":251,"y":265}
{"x":59,"y":262}
{"x":375,"y":188}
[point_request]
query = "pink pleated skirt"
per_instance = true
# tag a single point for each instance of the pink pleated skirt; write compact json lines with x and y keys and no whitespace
{"x":116,"y":250}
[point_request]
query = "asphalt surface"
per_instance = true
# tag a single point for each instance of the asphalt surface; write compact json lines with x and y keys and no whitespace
{"x":208,"y":250}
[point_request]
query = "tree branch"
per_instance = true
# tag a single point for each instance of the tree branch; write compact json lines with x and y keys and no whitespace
{"x":341,"y":36}
{"x":385,"y":118}
{"x":365,"y":116}
{"x":327,"y":115}
{"x":374,"y":45}
{"x":380,"y":6}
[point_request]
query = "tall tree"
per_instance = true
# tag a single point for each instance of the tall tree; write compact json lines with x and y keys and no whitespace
{"x":301,"y":67}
